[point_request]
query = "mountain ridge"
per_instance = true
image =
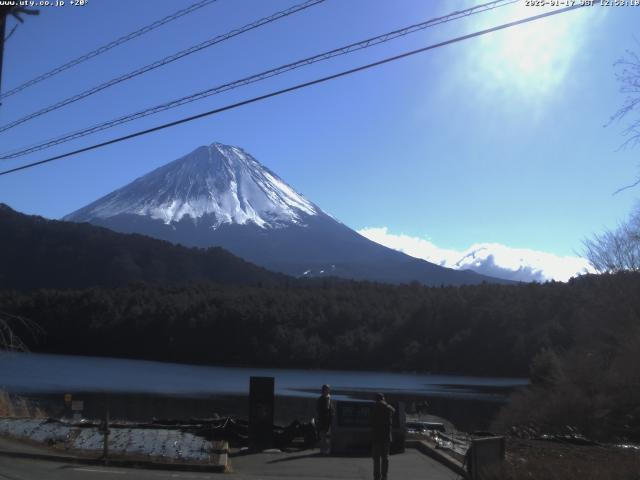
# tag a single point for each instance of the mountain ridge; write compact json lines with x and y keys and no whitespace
{"x":222,"y":196}
{"x":39,"y":253}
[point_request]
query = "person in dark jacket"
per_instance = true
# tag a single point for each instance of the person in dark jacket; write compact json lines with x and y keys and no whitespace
{"x":381,"y":420}
{"x":324,"y":412}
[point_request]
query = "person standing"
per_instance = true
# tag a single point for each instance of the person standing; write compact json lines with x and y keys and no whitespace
{"x":324,"y":411}
{"x":381,"y":421}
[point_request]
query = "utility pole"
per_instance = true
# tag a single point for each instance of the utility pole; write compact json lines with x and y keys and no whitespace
{"x":3,"y":22}
{"x":5,"y":10}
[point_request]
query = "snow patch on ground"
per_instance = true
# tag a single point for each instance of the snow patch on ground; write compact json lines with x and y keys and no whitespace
{"x":156,"y":444}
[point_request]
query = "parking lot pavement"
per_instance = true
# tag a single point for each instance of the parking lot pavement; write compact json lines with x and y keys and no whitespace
{"x":310,"y":465}
{"x":306,"y":465}
{"x":29,"y":469}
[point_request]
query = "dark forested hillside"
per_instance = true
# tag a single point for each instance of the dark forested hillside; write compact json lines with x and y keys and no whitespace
{"x":484,"y":329}
{"x":40,"y":253}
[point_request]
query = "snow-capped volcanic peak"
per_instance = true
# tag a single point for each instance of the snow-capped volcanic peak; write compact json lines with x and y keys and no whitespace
{"x":220,"y":181}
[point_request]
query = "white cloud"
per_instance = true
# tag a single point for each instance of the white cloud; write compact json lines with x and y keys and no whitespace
{"x":491,"y":259}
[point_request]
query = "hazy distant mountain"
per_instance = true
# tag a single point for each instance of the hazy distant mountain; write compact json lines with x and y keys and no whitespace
{"x":221,"y":196}
{"x":40,"y":253}
{"x":486,"y":259}
{"x":492,"y":259}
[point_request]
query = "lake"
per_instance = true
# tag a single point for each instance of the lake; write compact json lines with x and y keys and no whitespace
{"x":155,"y":386}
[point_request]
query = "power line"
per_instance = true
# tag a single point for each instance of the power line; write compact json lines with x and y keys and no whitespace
{"x":296,"y":87}
{"x":257,"y":77}
{"x":108,"y":46}
{"x":165,"y":61}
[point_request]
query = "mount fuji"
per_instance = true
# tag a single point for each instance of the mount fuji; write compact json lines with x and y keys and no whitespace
{"x":219,"y":195}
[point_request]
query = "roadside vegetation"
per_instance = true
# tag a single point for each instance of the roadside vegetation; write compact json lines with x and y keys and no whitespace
{"x":554,"y":461}
{"x":16,"y":406}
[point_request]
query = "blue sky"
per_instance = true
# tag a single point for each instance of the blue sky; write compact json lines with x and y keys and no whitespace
{"x":495,"y":140}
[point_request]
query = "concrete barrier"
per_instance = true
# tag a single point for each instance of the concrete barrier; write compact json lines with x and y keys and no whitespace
{"x":438,"y":455}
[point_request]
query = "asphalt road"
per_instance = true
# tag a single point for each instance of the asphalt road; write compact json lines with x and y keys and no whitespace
{"x":309,"y":465}
{"x":23,"y":469}
{"x":303,"y":466}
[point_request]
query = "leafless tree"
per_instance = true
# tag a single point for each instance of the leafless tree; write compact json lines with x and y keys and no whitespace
{"x":8,"y":338}
{"x":619,"y":249}
{"x":628,"y":76}
{"x":13,"y":405}
{"x":616,"y":250}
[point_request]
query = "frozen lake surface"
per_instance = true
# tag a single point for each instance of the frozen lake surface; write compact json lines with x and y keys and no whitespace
{"x":43,"y":373}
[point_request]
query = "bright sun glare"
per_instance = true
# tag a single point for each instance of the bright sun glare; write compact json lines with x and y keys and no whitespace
{"x":529,"y":59}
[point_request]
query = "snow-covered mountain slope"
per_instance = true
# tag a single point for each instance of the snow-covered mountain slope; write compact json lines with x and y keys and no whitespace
{"x":224,"y":183}
{"x":222,"y":196}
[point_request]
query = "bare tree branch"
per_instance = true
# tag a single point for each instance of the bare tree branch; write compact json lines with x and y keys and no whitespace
{"x":616,"y":250}
{"x":627,"y":187}
{"x":8,"y":338}
{"x":628,"y":76}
